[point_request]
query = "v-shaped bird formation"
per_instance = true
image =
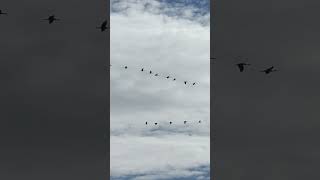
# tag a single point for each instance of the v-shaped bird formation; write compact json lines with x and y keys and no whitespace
{"x":152,"y":73}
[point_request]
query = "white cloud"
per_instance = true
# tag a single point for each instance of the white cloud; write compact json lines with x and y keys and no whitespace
{"x":144,"y":34}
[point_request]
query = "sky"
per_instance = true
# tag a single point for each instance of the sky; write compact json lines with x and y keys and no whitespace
{"x":266,"y":126}
{"x":54,"y":90}
{"x":171,"y":39}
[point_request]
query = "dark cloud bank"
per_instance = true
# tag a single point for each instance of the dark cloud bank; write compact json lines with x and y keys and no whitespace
{"x":266,"y":126}
{"x":54,"y":90}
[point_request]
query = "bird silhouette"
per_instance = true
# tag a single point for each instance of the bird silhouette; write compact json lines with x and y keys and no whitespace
{"x":185,"y":82}
{"x":146,"y":122}
{"x":269,"y":70}
{"x":51,"y":19}
{"x":170,"y":122}
{"x":168,"y":77}
{"x":174,"y":79}
{"x":103,"y":26}
{"x":193,"y":83}
{"x":126,"y":67}
{"x":155,"y":123}
{"x":184,"y":122}
{"x":142,"y":69}
{"x":241,"y":66}
{"x":3,"y":13}
{"x":150,"y":72}
{"x":199,"y":121}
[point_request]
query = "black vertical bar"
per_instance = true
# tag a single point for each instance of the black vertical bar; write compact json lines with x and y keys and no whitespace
{"x":107,"y":111}
{"x":212,"y":131}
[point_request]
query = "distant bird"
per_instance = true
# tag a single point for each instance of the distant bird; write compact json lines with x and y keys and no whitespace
{"x":155,"y":123}
{"x":193,"y":83}
{"x":150,"y":72}
{"x":3,"y":13}
{"x":185,"y":82}
{"x":174,"y":79}
{"x":156,"y":75}
{"x":199,"y":121}
{"x":168,"y":77}
{"x":269,"y":70}
{"x":170,"y":122}
{"x":184,"y":122}
{"x":241,"y":66}
{"x":126,"y":67}
{"x":146,"y":122}
{"x":103,"y":26}
{"x":51,"y":19}
{"x":142,"y":69}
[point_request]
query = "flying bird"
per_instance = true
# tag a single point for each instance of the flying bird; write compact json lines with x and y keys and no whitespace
{"x":184,"y":122}
{"x":126,"y":67}
{"x":150,"y":72}
{"x":185,"y":82}
{"x":269,"y":70}
{"x":3,"y":13}
{"x":170,"y":122}
{"x":51,"y":19}
{"x":103,"y":26}
{"x":142,"y":69}
{"x":168,"y":77}
{"x":241,"y":66}
{"x":155,"y":123}
{"x":174,"y":79}
{"x":146,"y":122}
{"x":194,"y":84}
{"x":199,"y":121}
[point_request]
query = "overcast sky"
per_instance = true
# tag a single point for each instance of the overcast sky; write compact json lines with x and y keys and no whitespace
{"x":267,"y":127}
{"x":53,"y":95}
{"x":171,"y":39}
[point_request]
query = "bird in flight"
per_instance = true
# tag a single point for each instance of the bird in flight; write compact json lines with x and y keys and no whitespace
{"x":194,"y":84}
{"x":174,"y":79}
{"x":3,"y":13}
{"x":146,"y":122}
{"x":168,"y":77}
{"x":185,"y":82}
{"x":150,"y":72}
{"x":155,"y":123}
{"x":184,"y":122}
{"x":51,"y":19}
{"x":269,"y":70}
{"x":170,"y":122}
{"x":199,"y":121}
{"x":142,"y":69}
{"x":103,"y":26}
{"x":241,"y":66}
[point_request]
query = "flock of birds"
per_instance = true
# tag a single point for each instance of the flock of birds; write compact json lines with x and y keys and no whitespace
{"x":184,"y":122}
{"x":158,"y":75}
{"x":52,"y":18}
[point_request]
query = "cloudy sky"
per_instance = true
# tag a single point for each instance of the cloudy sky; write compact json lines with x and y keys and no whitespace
{"x":171,"y":38}
{"x":267,"y":127}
